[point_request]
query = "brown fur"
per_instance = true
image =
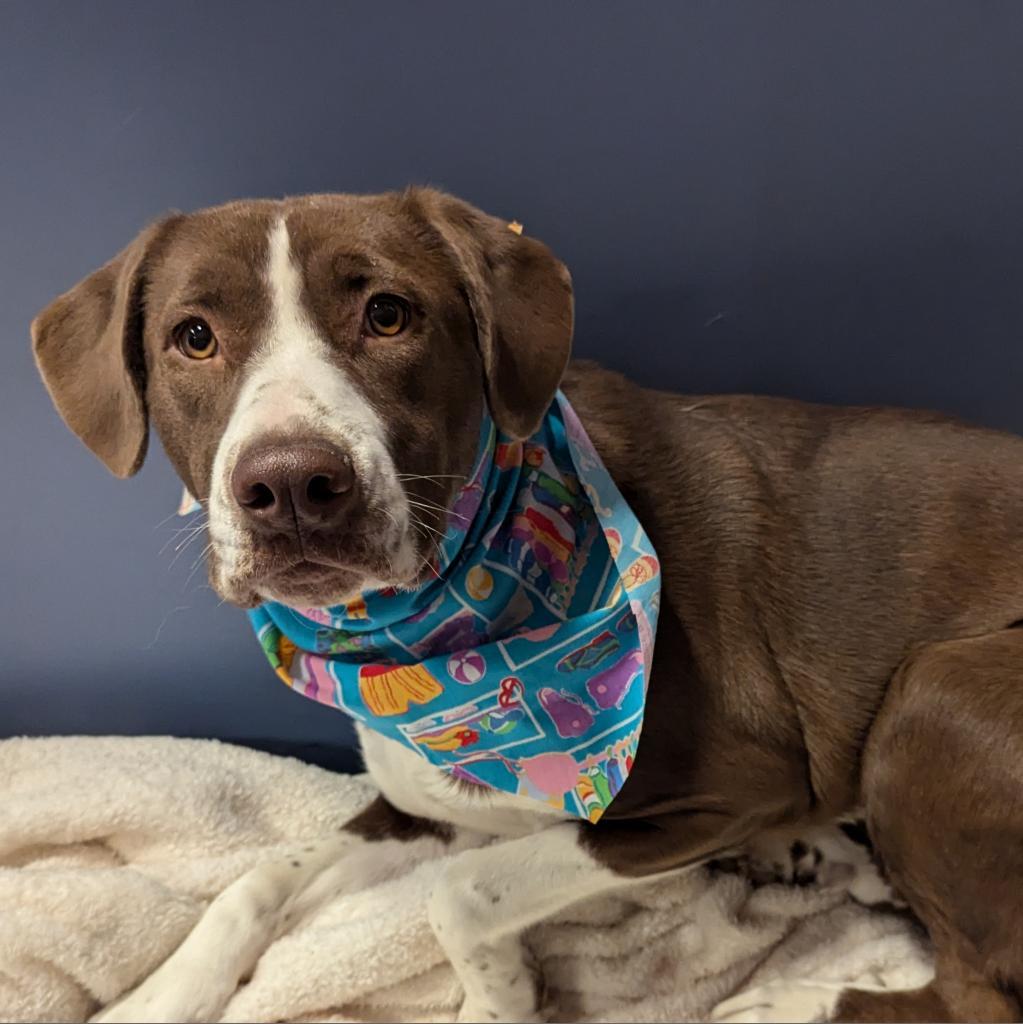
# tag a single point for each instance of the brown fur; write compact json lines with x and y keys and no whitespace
{"x":811,"y":556}
{"x":488,"y":306}
{"x":88,"y":344}
{"x":380,"y":820}
{"x":838,"y":584}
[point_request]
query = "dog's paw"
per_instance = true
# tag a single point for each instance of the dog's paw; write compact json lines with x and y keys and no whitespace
{"x":827,"y":856}
{"x":788,"y":1001}
{"x":801,"y":863}
{"x":494,"y":994}
{"x":782,"y":859}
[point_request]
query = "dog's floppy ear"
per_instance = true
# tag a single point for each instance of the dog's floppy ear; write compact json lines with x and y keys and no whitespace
{"x":520,"y":295}
{"x":88,"y":347}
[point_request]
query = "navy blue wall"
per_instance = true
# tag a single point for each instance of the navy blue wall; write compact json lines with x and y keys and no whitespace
{"x":816,"y":199}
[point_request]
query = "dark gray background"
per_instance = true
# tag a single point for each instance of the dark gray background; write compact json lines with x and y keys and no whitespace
{"x":815,"y":199}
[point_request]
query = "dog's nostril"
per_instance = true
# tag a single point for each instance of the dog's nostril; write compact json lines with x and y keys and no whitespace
{"x":322,"y":491}
{"x":260,"y":497}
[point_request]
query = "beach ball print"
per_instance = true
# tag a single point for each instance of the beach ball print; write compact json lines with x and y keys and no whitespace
{"x":467,"y":667}
{"x":479,"y":583}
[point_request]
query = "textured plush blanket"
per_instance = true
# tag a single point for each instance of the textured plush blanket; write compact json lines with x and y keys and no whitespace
{"x":110,"y":849}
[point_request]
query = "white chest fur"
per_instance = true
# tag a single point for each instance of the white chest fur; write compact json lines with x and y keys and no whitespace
{"x":416,"y":787}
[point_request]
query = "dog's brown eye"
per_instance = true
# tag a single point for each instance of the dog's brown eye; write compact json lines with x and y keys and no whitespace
{"x":196,"y":339}
{"x":387,"y":315}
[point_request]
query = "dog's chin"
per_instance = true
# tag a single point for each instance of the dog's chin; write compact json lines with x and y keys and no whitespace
{"x":308,"y":583}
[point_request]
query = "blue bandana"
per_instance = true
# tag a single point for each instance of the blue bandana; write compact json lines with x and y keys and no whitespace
{"x":523,"y":664}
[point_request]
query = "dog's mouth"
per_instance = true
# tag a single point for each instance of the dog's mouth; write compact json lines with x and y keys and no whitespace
{"x":314,"y":583}
{"x":310,"y":542}
{"x":317,"y":571}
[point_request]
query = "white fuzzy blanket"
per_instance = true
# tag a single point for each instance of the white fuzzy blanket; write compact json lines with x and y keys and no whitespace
{"x":110,"y":849}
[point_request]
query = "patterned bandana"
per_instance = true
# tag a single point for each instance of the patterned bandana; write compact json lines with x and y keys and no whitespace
{"x":523,"y":663}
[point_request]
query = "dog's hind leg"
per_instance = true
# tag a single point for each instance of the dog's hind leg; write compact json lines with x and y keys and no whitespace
{"x":196,"y":981}
{"x":943,"y":784}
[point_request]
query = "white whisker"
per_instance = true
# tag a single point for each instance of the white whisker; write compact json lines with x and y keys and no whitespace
{"x":183,"y":547}
{"x":428,"y":507}
{"x":195,"y":565}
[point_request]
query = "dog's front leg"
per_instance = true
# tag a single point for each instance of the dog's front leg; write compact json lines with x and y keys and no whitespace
{"x":487,"y":897}
{"x":197,"y":980}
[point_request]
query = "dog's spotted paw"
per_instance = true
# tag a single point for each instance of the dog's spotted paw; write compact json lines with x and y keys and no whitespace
{"x":790,"y":1001}
{"x":787,"y":863}
{"x":787,"y":858}
{"x":837,"y":855}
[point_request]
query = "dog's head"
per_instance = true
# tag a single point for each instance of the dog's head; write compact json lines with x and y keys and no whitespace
{"x":317,"y":370}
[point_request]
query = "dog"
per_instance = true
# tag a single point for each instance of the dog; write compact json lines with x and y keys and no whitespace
{"x":841,"y":587}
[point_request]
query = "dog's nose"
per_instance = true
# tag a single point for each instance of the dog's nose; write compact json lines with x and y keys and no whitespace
{"x":277,"y":485}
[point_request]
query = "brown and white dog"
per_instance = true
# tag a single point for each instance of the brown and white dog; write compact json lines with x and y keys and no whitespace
{"x":840,"y":586}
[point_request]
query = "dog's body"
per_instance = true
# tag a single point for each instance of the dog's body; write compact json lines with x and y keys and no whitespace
{"x":839,"y":585}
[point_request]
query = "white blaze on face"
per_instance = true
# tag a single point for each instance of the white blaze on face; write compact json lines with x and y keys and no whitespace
{"x":294,"y":390}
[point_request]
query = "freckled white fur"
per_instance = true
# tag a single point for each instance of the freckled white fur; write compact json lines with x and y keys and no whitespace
{"x":478,"y":908}
{"x":488,"y":894}
{"x":196,"y":981}
{"x":487,"y":897}
{"x":290,"y":380}
{"x":491,"y":890}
